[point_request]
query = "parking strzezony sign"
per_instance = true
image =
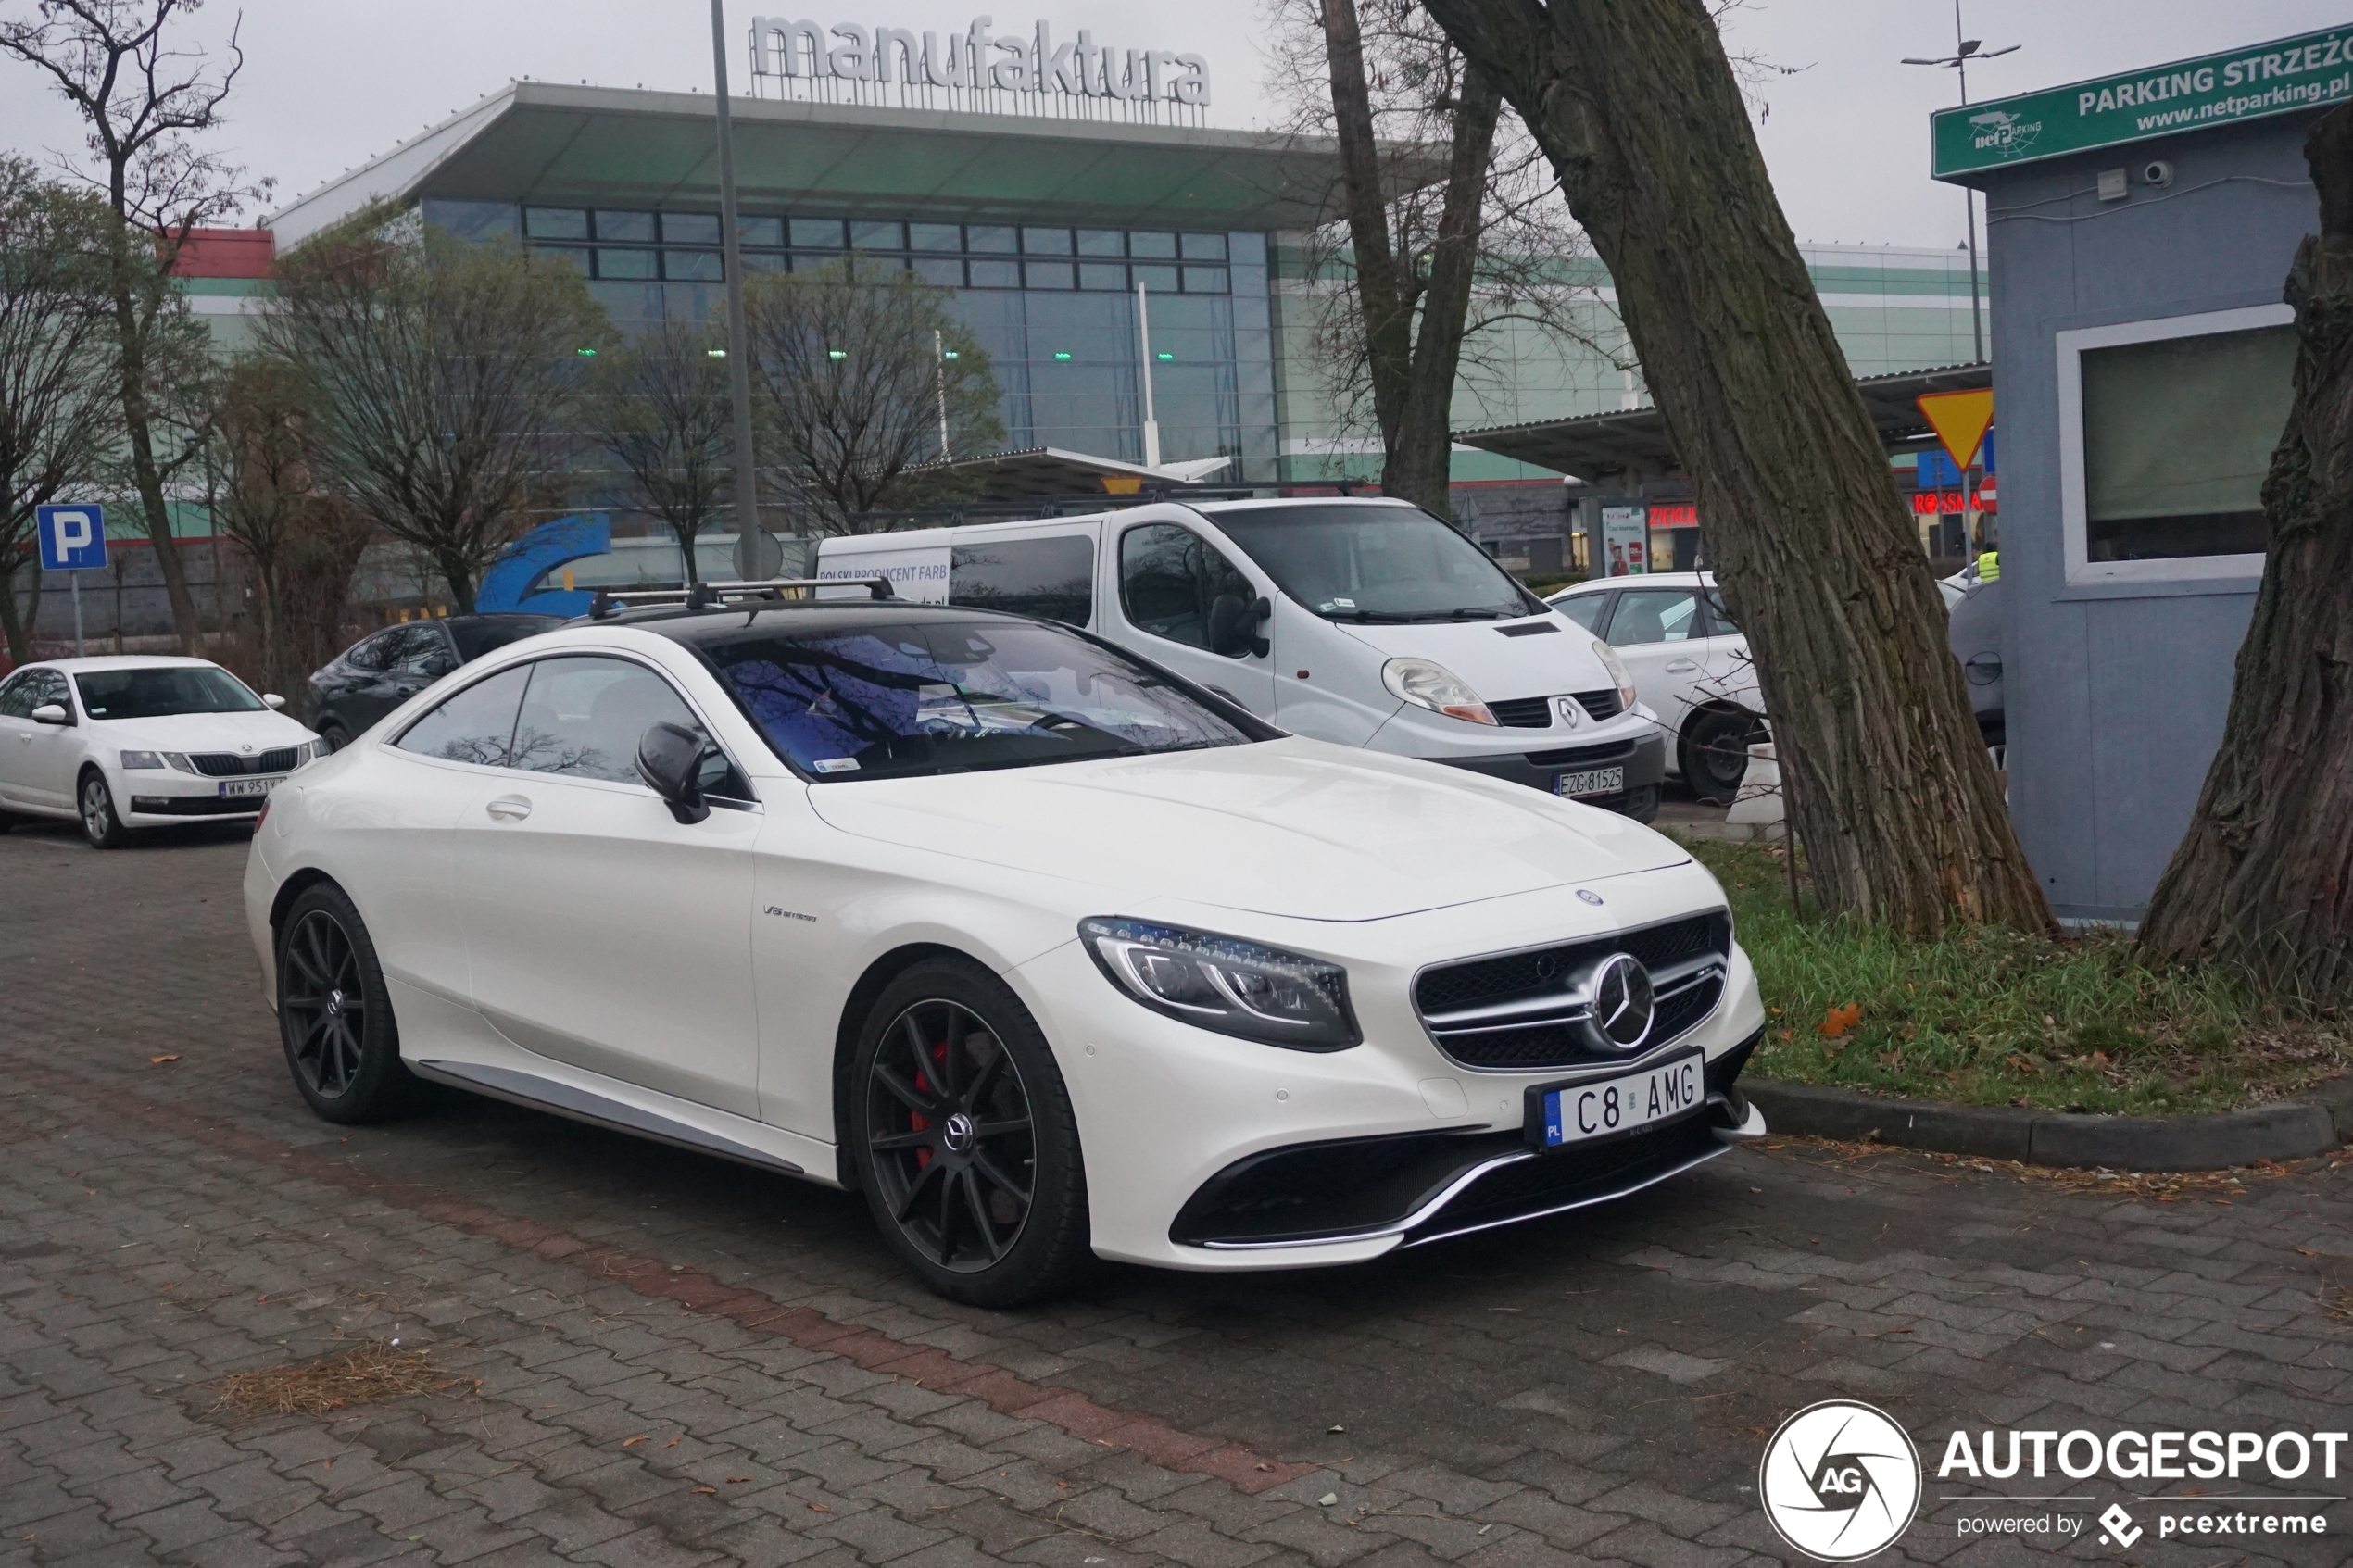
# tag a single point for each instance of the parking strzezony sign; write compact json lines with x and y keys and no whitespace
{"x":2308,"y":73}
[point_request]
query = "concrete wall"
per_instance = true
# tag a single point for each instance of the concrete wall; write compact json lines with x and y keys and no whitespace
{"x":2117,"y":691}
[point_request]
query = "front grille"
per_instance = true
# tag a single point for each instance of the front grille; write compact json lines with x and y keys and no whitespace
{"x":1322,"y":1189}
{"x":229,"y":765}
{"x":1602,"y":704}
{"x":1523,"y":713}
{"x":1516,"y":1011}
{"x":1583,"y":756}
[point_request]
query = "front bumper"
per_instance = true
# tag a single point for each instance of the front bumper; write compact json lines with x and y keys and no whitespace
{"x":1165,"y":1110}
{"x":1643,"y":757}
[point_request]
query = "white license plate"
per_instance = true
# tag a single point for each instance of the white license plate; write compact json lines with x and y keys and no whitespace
{"x":1602,"y":1108}
{"x":1592,"y":780}
{"x":238,"y":789}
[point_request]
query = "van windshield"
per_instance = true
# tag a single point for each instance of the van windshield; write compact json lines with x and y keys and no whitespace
{"x":1374,"y":562}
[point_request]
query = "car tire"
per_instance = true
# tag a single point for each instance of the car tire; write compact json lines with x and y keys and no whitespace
{"x":335,"y":1013}
{"x":1714,"y":754}
{"x":334,"y":735}
{"x":955,"y":1102}
{"x":101,"y":823}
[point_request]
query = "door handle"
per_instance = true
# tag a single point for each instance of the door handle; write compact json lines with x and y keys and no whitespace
{"x":510,"y":807}
{"x":1681,"y":666}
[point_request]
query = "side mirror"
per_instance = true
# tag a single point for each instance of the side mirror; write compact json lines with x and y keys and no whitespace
{"x":670,"y":759}
{"x":272,"y":700}
{"x":1233,"y":626}
{"x":52,"y":713}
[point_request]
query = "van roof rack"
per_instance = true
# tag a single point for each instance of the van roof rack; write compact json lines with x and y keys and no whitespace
{"x":609,"y":603}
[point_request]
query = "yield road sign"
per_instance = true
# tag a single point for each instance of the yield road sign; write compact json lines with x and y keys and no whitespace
{"x":1960,"y":419}
{"x":72,"y":538}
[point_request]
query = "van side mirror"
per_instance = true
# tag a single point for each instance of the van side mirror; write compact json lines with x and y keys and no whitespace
{"x":1233,"y":626}
{"x":51,"y":713}
{"x":670,"y":758}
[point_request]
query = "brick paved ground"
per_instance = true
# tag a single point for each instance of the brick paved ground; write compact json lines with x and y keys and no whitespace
{"x":659,"y":1359}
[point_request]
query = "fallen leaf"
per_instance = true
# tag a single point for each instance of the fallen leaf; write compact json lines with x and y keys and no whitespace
{"x":637,"y":1439}
{"x":674,"y":1442}
{"x":737,"y":1480}
{"x":705,"y":1491}
{"x":159,"y":1060}
{"x":819,"y":1508}
{"x":1839,"y":1020}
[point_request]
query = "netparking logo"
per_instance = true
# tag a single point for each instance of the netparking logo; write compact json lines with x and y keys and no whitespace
{"x":1840,"y":1481}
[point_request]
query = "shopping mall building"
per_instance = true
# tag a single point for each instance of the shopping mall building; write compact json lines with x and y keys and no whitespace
{"x":1045,"y":210}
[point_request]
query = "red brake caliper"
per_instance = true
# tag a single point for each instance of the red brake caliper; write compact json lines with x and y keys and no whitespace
{"x":916,"y":1120}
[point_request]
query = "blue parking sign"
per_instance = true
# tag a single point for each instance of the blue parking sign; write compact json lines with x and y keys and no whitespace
{"x":72,"y":538}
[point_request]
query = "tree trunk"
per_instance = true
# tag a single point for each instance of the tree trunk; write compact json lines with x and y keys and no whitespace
{"x":2265,"y":876}
{"x":138,"y":428}
{"x":1413,"y":379}
{"x":11,"y":625}
{"x":1635,"y":105}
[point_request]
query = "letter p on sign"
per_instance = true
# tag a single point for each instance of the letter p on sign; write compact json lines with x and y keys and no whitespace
{"x":72,"y":538}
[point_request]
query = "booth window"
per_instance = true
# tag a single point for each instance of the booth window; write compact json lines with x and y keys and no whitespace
{"x":2178,"y":433}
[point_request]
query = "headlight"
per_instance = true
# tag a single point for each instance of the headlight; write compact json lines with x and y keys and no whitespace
{"x":311,"y":750}
{"x":180,"y":759}
{"x":1427,"y":685}
{"x":1225,"y":984}
{"x":1617,"y":672}
{"x":140,"y":760}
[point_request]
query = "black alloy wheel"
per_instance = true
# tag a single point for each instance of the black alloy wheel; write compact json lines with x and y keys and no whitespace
{"x":1714,"y":757}
{"x":964,"y":1138}
{"x":334,"y":735}
{"x":948,"y":1123}
{"x":335,"y":1014}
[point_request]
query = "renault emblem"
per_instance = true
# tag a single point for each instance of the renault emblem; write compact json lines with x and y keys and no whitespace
{"x":1622,"y":1003}
{"x":1572,"y":712}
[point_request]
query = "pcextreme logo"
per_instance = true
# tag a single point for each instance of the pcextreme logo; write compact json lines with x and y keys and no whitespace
{"x":1840,"y":1481}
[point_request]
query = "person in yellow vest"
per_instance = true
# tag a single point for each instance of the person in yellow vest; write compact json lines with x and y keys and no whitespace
{"x":1988,"y":567}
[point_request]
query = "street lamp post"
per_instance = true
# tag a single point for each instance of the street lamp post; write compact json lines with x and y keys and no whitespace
{"x":1964,"y":51}
{"x":749,"y":555}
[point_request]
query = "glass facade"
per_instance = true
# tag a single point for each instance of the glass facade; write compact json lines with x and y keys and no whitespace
{"x":1055,"y":306}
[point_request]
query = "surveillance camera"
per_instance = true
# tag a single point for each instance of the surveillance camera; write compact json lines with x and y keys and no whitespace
{"x":2158,"y":172}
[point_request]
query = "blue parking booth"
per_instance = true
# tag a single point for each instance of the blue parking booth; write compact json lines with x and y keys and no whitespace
{"x":2140,"y":229}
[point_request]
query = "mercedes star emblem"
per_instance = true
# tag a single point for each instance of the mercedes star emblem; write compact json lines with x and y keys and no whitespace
{"x":1622,"y":1003}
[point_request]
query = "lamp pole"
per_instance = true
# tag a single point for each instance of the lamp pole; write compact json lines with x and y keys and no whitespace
{"x":749,"y":552}
{"x":1964,"y":51}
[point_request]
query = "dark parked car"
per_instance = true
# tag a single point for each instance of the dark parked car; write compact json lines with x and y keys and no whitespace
{"x":378,"y":674}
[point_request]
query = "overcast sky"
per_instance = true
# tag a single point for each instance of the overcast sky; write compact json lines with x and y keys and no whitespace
{"x":329,"y":84}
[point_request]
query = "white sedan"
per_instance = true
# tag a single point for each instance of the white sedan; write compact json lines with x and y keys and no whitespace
{"x":124,"y":743}
{"x":1049,"y":952}
{"x":1691,"y":667}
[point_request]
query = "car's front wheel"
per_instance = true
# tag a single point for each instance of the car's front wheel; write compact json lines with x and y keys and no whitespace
{"x":1715,"y":754}
{"x":964,"y":1138}
{"x":334,"y":735}
{"x":335,"y":1014}
{"x":100,"y":822}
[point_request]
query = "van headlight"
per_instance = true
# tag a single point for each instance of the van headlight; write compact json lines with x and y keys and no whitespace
{"x":1617,"y":672}
{"x":1427,"y":683}
{"x":1225,"y":984}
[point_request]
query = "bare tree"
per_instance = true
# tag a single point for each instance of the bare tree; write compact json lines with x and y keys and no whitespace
{"x":2260,"y":878}
{"x":1451,"y":231}
{"x":145,"y":98}
{"x":1642,"y":116}
{"x":667,"y":420}
{"x":445,"y":381}
{"x":57,"y":397}
{"x":303,"y":545}
{"x":863,"y":377}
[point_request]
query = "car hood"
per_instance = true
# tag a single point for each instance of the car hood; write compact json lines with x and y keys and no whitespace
{"x":1498,"y":668}
{"x":1290,"y":827}
{"x":201,"y":732}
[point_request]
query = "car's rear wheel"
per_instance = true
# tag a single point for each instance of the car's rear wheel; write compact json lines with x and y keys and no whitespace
{"x":335,"y":1014}
{"x":964,"y":1138}
{"x":334,"y":735}
{"x":100,"y":823}
{"x":1715,"y":754}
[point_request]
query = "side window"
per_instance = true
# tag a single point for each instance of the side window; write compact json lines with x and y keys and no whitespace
{"x":374,"y":653}
{"x":15,"y":696}
{"x":473,"y":725}
{"x":1168,"y":578}
{"x":1584,"y":609}
{"x":48,"y":686}
{"x":1050,"y":579}
{"x":424,"y":652}
{"x":585,"y":715}
{"x":1654,"y":615}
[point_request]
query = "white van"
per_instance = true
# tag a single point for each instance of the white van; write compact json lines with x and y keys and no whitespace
{"x":1367,"y":622}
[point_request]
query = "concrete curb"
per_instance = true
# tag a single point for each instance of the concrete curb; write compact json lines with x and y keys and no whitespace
{"x":2290,"y":1130}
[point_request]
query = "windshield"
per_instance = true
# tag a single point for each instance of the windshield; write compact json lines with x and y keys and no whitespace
{"x":162,"y":691}
{"x":940,"y":697}
{"x":1374,"y":563}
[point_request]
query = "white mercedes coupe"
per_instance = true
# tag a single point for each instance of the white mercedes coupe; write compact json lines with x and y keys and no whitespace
{"x":1047,"y":951}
